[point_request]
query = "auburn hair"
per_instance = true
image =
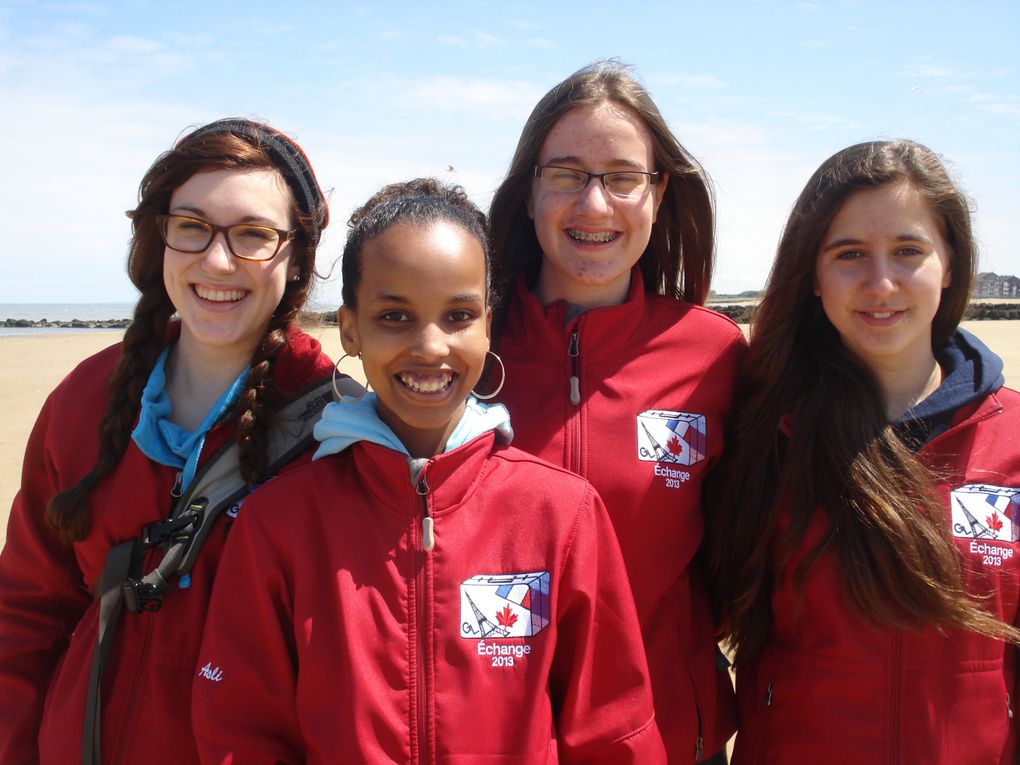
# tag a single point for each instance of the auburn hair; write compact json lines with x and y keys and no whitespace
{"x":225,"y":145}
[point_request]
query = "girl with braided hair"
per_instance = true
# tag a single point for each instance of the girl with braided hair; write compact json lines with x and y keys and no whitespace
{"x":224,"y":236}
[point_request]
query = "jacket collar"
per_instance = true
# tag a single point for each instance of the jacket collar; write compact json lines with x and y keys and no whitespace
{"x":451,"y":477}
{"x":545,"y":331}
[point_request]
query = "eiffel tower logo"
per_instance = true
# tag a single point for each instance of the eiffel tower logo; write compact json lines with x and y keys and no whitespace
{"x":977,"y":529}
{"x":487,"y":628}
{"x":661,"y":455}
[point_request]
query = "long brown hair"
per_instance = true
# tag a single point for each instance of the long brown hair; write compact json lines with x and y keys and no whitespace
{"x":222,"y":145}
{"x":678,"y":261}
{"x":888,"y":529}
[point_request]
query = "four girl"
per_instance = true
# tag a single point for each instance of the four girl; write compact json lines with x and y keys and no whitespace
{"x":424,"y":591}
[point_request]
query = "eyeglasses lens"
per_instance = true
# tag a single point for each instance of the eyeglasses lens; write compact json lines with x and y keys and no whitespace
{"x":623,"y":185}
{"x":192,"y":235}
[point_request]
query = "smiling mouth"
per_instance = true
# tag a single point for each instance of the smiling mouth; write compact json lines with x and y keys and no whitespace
{"x":598,"y":237}
{"x":880,"y":315}
{"x":426,"y":384}
{"x":218,"y":296}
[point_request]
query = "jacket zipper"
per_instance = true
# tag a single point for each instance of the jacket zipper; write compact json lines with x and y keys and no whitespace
{"x":428,"y":543}
{"x":177,"y":490}
{"x":894,"y":699}
{"x":573,"y":351}
{"x":574,"y":432}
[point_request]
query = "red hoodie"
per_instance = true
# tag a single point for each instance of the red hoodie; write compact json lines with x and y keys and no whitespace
{"x":47,"y":614}
{"x":830,"y":688}
{"x":654,"y":388}
{"x":335,"y":637}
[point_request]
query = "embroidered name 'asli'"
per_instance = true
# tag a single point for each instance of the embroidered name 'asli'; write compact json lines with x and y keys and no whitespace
{"x":209,"y":672}
{"x":677,"y":437}
{"x":982,"y":511}
{"x":504,"y":605}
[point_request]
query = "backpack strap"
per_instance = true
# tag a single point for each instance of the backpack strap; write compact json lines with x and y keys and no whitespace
{"x":216,"y":487}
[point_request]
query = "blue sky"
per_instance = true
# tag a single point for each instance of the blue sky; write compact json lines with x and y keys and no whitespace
{"x":760,"y":91}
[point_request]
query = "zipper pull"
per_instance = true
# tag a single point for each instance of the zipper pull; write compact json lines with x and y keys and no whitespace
{"x":1009,"y":707}
{"x":768,"y":695}
{"x":428,"y":531}
{"x":428,"y":534}
{"x":176,"y":490}
{"x":699,"y":748}
{"x":575,"y":384}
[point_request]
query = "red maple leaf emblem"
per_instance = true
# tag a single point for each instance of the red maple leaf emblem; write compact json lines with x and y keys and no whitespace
{"x":674,"y":446}
{"x":993,"y":522}
{"x":506,"y":617}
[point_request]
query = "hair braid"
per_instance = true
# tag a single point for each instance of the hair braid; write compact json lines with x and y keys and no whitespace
{"x":68,"y":511}
{"x":254,"y":407}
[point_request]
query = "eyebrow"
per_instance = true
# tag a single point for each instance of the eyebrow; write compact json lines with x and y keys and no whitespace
{"x":386,"y":297}
{"x":612,"y":163}
{"x":849,"y":240}
{"x":205,"y":216}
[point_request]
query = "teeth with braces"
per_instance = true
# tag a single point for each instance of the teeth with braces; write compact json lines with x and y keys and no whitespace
{"x":598,"y":236}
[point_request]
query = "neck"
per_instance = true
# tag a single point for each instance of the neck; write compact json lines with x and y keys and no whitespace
{"x":906,"y":388}
{"x":197,"y":377}
{"x":550,"y":288}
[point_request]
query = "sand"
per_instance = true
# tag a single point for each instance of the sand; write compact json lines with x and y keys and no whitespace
{"x":32,"y":365}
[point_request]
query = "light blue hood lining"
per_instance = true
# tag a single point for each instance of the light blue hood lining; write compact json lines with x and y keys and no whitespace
{"x":344,"y":424}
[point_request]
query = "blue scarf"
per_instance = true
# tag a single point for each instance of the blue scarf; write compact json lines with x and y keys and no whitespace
{"x":168,"y":444}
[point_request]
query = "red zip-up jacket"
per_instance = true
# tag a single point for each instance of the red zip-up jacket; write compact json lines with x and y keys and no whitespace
{"x":47,"y":614}
{"x":829,"y":688}
{"x":635,"y":398}
{"x":334,"y":636}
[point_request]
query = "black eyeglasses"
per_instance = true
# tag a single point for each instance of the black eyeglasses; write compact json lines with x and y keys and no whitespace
{"x":625,"y":184}
{"x":244,"y":240}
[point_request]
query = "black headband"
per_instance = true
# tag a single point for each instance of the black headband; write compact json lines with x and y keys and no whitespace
{"x":292,"y":161}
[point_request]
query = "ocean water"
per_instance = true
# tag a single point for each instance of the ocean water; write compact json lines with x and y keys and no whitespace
{"x":69,"y":311}
{"x":60,"y":312}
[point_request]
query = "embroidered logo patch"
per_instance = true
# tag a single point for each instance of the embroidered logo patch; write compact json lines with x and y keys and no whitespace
{"x":981,"y":511}
{"x":504,"y":605}
{"x":680,"y":438}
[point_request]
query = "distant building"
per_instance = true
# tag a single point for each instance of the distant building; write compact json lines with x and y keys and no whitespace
{"x":989,"y":285}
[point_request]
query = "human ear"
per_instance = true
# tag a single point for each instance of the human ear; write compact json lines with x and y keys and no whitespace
{"x":488,"y":323}
{"x":659,"y":190}
{"x":348,"y":331}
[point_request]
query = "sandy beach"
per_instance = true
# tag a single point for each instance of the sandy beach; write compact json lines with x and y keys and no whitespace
{"x":32,"y":365}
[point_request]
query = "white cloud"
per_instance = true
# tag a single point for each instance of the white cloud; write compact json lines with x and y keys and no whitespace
{"x":488,"y":99}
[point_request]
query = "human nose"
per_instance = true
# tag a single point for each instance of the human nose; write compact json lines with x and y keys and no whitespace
{"x":595,"y":196}
{"x":432,"y":343}
{"x":881,"y":275}
{"x":217,"y":256}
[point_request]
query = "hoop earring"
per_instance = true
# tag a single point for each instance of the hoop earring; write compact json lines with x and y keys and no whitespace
{"x":336,"y":390}
{"x":502,"y":380}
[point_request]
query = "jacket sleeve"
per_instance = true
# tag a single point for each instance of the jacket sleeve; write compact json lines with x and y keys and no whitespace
{"x":243,"y":700}
{"x":42,"y":598}
{"x":599,"y":683}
